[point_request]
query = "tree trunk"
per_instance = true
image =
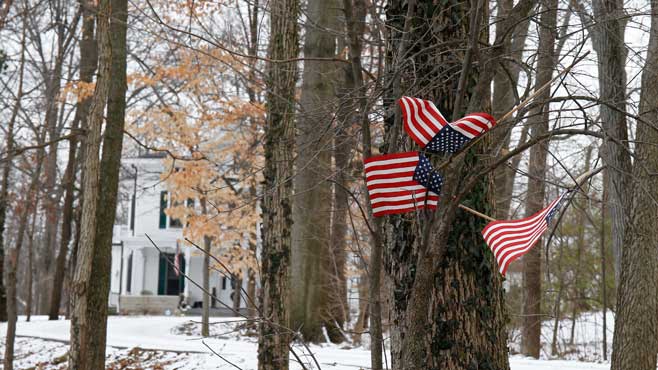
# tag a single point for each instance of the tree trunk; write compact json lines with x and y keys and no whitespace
{"x":604,"y":293}
{"x":343,"y":146}
{"x":30,"y":269}
{"x":14,"y":255}
{"x":88,"y":59}
{"x":634,"y":341}
{"x":237,"y":293}
{"x":281,"y":76}
{"x":608,"y":41}
{"x":205,"y":314}
{"x":310,"y":258}
{"x":110,"y":166}
{"x":447,"y":305}
{"x":354,"y":19}
{"x":6,"y":172}
{"x":51,"y":201}
{"x":538,"y":122}
{"x":81,"y":349}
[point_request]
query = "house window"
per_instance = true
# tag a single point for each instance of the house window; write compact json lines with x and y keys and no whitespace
{"x":164,"y":203}
{"x":168,"y":282}
{"x":224,"y":283}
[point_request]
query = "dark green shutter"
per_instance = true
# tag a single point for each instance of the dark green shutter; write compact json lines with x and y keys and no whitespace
{"x":183,"y":264}
{"x":162,"y":274}
{"x":163,"y":206}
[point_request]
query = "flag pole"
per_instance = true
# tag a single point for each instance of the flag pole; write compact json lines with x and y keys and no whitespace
{"x":479,"y":214}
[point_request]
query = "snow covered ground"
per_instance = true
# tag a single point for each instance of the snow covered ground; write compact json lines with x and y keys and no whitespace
{"x":131,"y":340}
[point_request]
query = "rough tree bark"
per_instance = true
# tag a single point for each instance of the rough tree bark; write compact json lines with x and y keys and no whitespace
{"x":88,"y":59}
{"x":281,"y":76}
{"x":447,"y":295}
{"x":99,"y":286}
{"x":310,"y":258}
{"x":538,"y":122}
{"x":634,"y":341}
{"x":608,"y":41}
{"x":80,"y":352}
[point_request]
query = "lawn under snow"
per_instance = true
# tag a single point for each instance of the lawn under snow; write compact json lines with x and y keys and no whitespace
{"x":44,"y":342}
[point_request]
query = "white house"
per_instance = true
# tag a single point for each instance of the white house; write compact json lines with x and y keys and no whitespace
{"x":144,"y":280}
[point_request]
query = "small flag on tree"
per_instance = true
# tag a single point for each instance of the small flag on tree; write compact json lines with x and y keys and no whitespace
{"x":427,"y":127}
{"x":510,"y":240}
{"x":422,"y":120}
{"x":401,"y":182}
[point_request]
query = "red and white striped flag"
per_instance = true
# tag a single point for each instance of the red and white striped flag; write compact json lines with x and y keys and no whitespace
{"x":422,"y":120}
{"x":399,"y":183}
{"x":510,"y":240}
{"x":429,"y":129}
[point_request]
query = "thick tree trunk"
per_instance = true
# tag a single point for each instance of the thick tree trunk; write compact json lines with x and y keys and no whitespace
{"x":442,"y":272}
{"x":273,"y":340}
{"x":6,"y":172}
{"x":81,"y":352}
{"x":310,"y":258}
{"x":343,"y":146}
{"x":88,"y":59}
{"x":538,"y":122}
{"x":608,"y":41}
{"x":99,"y":286}
{"x":14,"y":254}
{"x":634,"y":341}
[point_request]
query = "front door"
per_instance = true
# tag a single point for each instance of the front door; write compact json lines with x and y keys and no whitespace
{"x":168,"y":282}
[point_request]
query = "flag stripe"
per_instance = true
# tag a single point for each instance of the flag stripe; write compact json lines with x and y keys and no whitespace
{"x":509,"y":240}
{"x":422,"y":120}
{"x":391,"y":185}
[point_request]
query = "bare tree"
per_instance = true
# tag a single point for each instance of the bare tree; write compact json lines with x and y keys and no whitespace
{"x":634,"y":344}
{"x":538,"y":122}
{"x":88,"y":59}
{"x":80,"y":350}
{"x":311,"y":254}
{"x":273,"y":340}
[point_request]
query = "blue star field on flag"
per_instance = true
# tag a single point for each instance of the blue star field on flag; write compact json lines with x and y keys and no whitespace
{"x":426,"y":175}
{"x":448,"y":140}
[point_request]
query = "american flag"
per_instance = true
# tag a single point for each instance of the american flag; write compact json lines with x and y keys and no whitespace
{"x":422,"y":120}
{"x":429,"y":129}
{"x":456,"y":134}
{"x":510,"y":240}
{"x":401,"y":182}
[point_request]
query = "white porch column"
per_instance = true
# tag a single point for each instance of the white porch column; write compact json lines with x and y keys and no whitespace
{"x":139,"y":261}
